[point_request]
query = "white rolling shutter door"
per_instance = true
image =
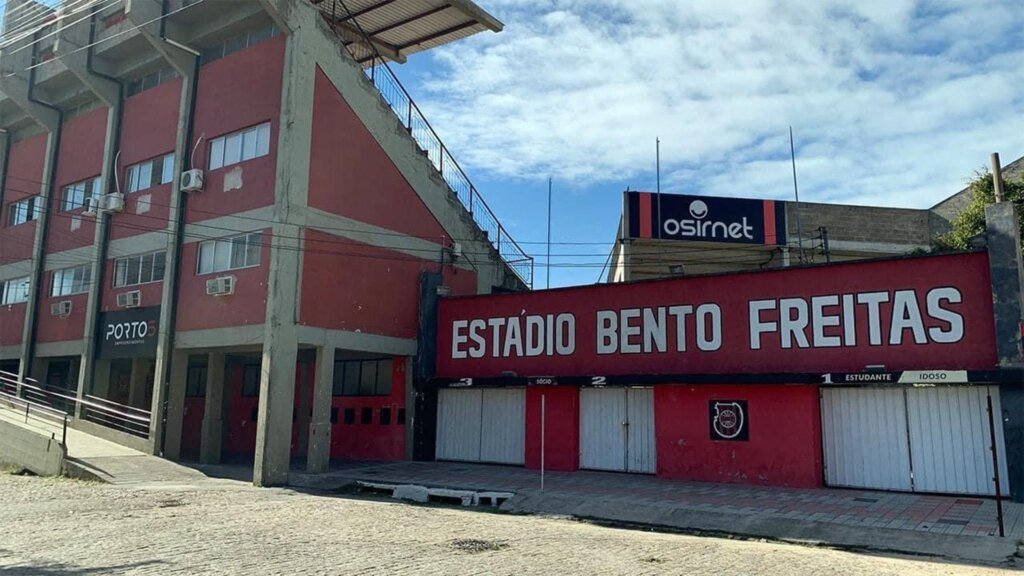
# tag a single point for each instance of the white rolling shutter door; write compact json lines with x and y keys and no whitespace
{"x":617,"y":429}
{"x":950,"y":440}
{"x":865,"y":438}
{"x":482,"y":425}
{"x":640,"y":451}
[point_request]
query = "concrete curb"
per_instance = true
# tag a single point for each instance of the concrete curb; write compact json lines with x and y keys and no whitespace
{"x":974,"y":549}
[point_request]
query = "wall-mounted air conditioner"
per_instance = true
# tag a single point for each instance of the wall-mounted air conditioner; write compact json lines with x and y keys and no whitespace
{"x":62,"y":308}
{"x":112,"y":202}
{"x":192,"y":181}
{"x":92,"y":204}
{"x":131,"y":299}
{"x":220,"y":286}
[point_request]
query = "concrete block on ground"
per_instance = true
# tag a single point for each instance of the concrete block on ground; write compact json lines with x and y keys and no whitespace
{"x":32,"y":450}
{"x":412,"y":493}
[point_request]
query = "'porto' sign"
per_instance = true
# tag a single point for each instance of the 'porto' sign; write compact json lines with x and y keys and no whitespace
{"x":706,"y":218}
{"x":128,"y":333}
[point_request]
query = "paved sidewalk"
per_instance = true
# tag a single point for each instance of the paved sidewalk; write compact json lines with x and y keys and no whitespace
{"x":950,"y":526}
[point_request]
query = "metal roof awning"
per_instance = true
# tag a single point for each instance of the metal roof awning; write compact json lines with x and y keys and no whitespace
{"x":398,"y":28}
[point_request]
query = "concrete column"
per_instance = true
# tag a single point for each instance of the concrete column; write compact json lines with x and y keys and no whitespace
{"x":101,"y":380}
{"x":410,"y":412}
{"x":318,"y":457}
{"x":168,"y":434}
{"x":1006,"y":267}
{"x":137,"y":385}
{"x":211,"y":444}
{"x":280,"y":342}
{"x":165,"y":330}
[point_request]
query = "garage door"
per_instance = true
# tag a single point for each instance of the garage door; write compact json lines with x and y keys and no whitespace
{"x":483,"y":425}
{"x":617,"y":429}
{"x":913,"y":439}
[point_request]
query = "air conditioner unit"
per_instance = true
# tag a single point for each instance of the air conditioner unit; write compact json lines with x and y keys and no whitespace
{"x":220,"y":286}
{"x":131,"y":299}
{"x":62,"y":308}
{"x":192,"y":181}
{"x":456,"y":251}
{"x":92,"y":204}
{"x":112,"y":203}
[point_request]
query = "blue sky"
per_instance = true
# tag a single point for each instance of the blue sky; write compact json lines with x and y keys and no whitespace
{"x":894,"y":103}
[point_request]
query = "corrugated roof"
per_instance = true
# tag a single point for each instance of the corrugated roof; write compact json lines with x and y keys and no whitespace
{"x":398,"y":28}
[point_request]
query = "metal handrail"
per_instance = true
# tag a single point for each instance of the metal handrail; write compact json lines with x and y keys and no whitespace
{"x":392,"y":91}
{"x":132,"y":420}
{"x":38,"y":411}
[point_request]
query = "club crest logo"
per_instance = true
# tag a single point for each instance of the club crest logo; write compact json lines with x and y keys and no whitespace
{"x":728,"y":419}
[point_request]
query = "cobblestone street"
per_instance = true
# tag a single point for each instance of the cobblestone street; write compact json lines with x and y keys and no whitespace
{"x":56,"y":526}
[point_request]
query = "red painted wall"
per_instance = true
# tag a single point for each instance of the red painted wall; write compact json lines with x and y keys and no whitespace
{"x":148,"y":130}
{"x":784,"y":446}
{"x":374,"y":441}
{"x":12,"y":323}
{"x":733,"y":293}
{"x":80,"y":158}
{"x":237,"y":92}
{"x":350,"y":174}
{"x":562,"y":430}
{"x":248,"y":305}
{"x":380,"y":287}
{"x":24,"y":177}
{"x":54,"y":328}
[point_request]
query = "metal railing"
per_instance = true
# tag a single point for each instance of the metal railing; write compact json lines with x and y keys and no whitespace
{"x":32,"y":410}
{"x":121,"y":417}
{"x":412,"y":118}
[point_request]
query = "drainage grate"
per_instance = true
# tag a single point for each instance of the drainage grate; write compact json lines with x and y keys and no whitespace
{"x":951,"y":522}
{"x":869,"y":500}
{"x":968,"y":501}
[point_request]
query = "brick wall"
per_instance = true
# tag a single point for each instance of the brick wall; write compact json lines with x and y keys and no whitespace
{"x":860,"y":223}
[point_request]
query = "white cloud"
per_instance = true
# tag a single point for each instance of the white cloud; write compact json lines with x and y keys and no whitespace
{"x":893,"y":101}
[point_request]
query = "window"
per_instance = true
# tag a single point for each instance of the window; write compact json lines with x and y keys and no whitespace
{"x":151,"y":173}
{"x":229,"y":253}
{"x":240,"y":146}
{"x":24,"y":210}
{"x":362,"y":378}
{"x":132,"y":270}
{"x":75,"y":194}
{"x":151,"y":81}
{"x":251,"y":381}
{"x":71,"y":281}
{"x":14,"y":291}
{"x":195,"y":382}
{"x":237,"y":43}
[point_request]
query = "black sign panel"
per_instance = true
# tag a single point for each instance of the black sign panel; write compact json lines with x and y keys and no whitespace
{"x":729,"y":420}
{"x":706,"y":219}
{"x":128,"y":333}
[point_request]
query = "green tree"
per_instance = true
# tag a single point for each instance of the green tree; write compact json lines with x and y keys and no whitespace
{"x":971,"y":221}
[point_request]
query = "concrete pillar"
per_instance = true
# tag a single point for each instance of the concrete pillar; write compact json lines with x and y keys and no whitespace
{"x":137,"y":386}
{"x":1006,"y":267}
{"x":101,"y":380}
{"x":165,"y":436}
{"x":318,"y":457}
{"x":280,"y":342}
{"x":212,"y":441}
{"x":165,"y":329}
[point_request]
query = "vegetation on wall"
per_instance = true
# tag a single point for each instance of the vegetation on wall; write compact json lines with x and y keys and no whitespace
{"x":971,"y":221}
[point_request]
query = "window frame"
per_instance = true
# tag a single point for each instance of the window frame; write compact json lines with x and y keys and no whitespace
{"x":124,"y":264}
{"x":225,"y":247}
{"x":32,"y":210}
{"x":87,"y":188}
{"x":230,"y":149}
{"x":8,"y":287}
{"x":159,"y":173}
{"x":347,"y":368}
{"x":78,"y":285}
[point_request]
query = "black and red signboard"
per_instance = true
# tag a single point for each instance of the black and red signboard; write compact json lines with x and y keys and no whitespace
{"x":706,"y":219}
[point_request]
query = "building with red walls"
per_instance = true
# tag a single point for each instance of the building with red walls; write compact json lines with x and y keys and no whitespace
{"x":873,"y":374}
{"x":216,"y":218}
